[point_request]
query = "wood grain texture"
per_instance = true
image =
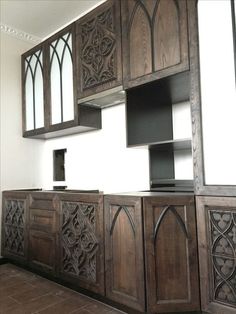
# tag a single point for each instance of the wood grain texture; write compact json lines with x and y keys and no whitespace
{"x":81,"y":240}
{"x":98,"y":56}
{"x":154,"y":37}
{"x":124,"y":251}
{"x":216,"y":241}
{"x":171,"y":256}
{"x":14,"y":226}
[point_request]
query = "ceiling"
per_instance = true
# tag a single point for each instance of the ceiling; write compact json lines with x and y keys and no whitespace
{"x":41,"y":18}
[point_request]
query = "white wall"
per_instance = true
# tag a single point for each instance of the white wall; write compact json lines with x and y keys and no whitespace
{"x":100,"y":159}
{"x":218,"y":91}
{"x":21,"y":159}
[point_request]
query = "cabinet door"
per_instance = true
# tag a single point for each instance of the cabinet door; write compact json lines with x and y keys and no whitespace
{"x":62,"y":109}
{"x":155,"y":41}
{"x":42,"y":250}
{"x":42,"y":232}
{"x":124,"y":262}
{"x":33,"y":91}
{"x":81,"y":241}
{"x":14,"y":227}
{"x":216,"y":217}
{"x":171,"y":254}
{"x":99,"y":49}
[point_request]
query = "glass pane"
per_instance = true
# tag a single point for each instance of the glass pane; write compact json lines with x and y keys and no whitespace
{"x":34,"y":102}
{"x":39,"y":102}
{"x":29,"y":111}
{"x":67,"y":87}
{"x":217,"y":91}
{"x":55,"y":90}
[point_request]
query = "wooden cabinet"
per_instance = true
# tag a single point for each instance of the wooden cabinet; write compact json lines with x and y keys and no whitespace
{"x":99,"y":50}
{"x":49,"y":89}
{"x":216,"y":217}
{"x":155,"y":40}
{"x":171,"y":254}
{"x":42,"y":232}
{"x":124,"y":261}
{"x":14,"y":226}
{"x":81,"y":240}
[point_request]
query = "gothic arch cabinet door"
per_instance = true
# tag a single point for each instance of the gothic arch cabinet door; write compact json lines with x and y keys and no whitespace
{"x":171,"y":254}
{"x":62,"y":108}
{"x":124,"y":263}
{"x":216,"y":218}
{"x":33,"y":91}
{"x":99,"y":49}
{"x":81,"y":240}
{"x":14,"y":226}
{"x":155,"y":39}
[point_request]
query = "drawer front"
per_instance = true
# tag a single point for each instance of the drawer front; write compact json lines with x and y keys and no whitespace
{"x":43,"y":220}
{"x":42,"y":201}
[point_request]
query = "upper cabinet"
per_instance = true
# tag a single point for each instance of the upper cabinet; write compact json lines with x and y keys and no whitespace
{"x":49,"y":81}
{"x":98,"y":42}
{"x":155,"y":39}
{"x":33,"y":72}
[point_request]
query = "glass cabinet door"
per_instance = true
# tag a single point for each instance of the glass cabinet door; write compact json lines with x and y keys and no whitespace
{"x":61,"y":80}
{"x":34,"y":91}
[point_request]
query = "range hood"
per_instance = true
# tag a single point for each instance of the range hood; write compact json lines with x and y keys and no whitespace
{"x":105,"y":99}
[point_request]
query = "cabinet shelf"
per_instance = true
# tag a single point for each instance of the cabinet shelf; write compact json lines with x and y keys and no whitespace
{"x":171,"y":145}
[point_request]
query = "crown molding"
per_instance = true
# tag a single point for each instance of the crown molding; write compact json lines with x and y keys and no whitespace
{"x":9,"y":30}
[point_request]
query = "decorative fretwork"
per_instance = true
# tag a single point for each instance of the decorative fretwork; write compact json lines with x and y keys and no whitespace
{"x":14,"y":224}
{"x":98,"y":50}
{"x":223,"y":255}
{"x":79,"y":241}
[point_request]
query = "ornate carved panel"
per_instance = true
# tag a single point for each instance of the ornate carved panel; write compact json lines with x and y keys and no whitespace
{"x":223,"y":255}
{"x":79,"y":241}
{"x":14,"y":224}
{"x":98,"y":49}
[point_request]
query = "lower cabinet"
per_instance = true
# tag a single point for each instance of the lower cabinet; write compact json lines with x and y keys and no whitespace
{"x":137,"y":250}
{"x":216,"y":218}
{"x":14,"y":226}
{"x":81,"y":241}
{"x":171,"y":254}
{"x":124,"y":260}
{"x":151,"y":252}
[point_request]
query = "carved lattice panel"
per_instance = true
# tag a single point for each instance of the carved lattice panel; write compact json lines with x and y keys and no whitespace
{"x":98,"y":50}
{"x":223,"y":255}
{"x":79,"y":241}
{"x":14,"y":224}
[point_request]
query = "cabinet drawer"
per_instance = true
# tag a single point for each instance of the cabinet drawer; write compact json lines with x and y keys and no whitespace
{"x":42,"y":201}
{"x":44,"y":220}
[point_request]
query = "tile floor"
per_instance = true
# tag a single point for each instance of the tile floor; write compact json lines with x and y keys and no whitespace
{"x":22,"y":292}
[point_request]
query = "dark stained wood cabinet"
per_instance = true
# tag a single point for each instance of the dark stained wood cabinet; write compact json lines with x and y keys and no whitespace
{"x":42,"y":232}
{"x":14,"y":226}
{"x":81,"y":240}
{"x":155,"y":40}
{"x":49,"y":90}
{"x":171,"y":254}
{"x":124,"y":261}
{"x":216,"y":218}
{"x":99,"y":49}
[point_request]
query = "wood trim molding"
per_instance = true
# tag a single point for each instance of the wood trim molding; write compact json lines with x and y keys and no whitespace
{"x":9,"y":30}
